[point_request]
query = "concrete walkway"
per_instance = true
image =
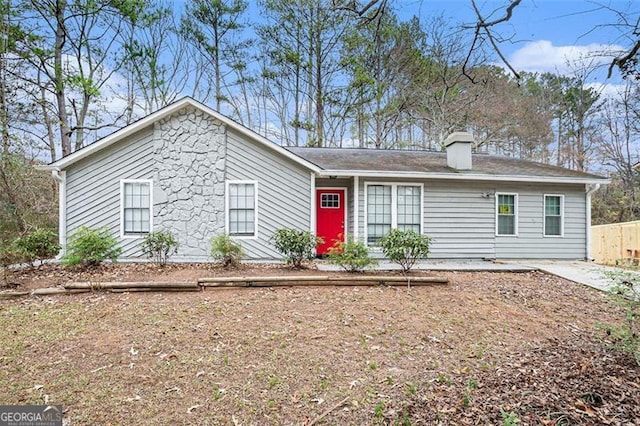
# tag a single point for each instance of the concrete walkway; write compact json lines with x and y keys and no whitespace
{"x":586,"y":273}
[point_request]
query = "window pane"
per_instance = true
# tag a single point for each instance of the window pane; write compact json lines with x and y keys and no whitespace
{"x":506,"y":214}
{"x":137,"y":207}
{"x":378,"y":212}
{"x":408,"y":207}
{"x":506,"y":225}
{"x":552,"y":205}
{"x":506,"y":204}
{"x":241,"y":209}
{"x":552,"y":225}
{"x":552,"y":215}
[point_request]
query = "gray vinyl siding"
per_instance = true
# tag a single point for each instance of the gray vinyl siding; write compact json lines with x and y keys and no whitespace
{"x":93,"y":186}
{"x":461,"y":220}
{"x":284,"y":192}
{"x":530,"y":241}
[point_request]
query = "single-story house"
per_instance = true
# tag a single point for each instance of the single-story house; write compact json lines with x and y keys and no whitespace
{"x":192,"y":171}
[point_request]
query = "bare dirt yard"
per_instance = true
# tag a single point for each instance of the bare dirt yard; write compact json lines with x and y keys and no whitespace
{"x":488,"y":348}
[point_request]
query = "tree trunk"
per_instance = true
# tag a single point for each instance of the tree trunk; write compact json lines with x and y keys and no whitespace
{"x":65,"y":131}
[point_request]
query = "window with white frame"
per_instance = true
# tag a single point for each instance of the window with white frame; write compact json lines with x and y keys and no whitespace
{"x":392,"y":206}
{"x":378,"y":212}
{"x":507,"y":214}
{"x":553,"y":215}
{"x":136,"y":207}
{"x":241,"y":208}
{"x":330,"y":201}
{"x":408,"y":207}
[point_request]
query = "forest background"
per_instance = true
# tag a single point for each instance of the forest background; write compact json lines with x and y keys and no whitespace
{"x":377,"y":74}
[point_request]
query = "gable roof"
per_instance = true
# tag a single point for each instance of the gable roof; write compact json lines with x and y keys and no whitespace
{"x":428,"y":164}
{"x":358,"y":162}
{"x":167,"y":111}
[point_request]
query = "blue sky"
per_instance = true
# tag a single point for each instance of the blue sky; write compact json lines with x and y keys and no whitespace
{"x":544,"y":34}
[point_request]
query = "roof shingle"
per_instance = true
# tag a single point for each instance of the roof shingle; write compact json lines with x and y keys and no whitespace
{"x":429,"y":162}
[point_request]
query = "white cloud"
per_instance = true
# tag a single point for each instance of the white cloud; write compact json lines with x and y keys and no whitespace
{"x":543,"y":56}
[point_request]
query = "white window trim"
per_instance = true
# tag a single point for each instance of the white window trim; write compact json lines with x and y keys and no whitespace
{"x":544,"y":215}
{"x":345,"y":203}
{"x":394,"y":205}
{"x":122,"y":183}
{"x":255,"y":208}
{"x":517,"y":213}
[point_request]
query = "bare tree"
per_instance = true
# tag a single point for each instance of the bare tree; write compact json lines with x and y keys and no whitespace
{"x":212,"y":26}
{"x":73,"y":52}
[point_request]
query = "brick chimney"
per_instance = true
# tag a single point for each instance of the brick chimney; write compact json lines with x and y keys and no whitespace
{"x":458,"y":146}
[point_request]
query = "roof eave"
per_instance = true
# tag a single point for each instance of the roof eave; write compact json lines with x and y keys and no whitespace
{"x":464,"y":176}
{"x":150,"y":119}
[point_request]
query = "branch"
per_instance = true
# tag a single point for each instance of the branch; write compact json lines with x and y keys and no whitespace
{"x":620,"y":61}
{"x":364,"y":9}
{"x":508,"y":13}
{"x":484,"y":26}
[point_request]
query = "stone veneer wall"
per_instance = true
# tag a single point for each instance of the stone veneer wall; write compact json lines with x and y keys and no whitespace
{"x":190,"y":151}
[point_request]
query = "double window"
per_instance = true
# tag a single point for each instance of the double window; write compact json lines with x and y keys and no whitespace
{"x":392,"y":206}
{"x":136,"y":216}
{"x":553,"y":215}
{"x":242,"y":203}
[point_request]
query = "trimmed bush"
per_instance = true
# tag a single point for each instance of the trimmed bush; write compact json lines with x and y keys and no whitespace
{"x":352,"y":256}
{"x":405,"y":247}
{"x":226,"y":251}
{"x":159,"y":246}
{"x":296,"y":246}
{"x":90,"y":247}
{"x":38,"y":245}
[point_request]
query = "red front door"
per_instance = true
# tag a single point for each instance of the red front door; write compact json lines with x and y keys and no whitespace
{"x":330,"y":211}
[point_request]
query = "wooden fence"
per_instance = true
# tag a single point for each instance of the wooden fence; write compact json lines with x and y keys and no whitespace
{"x":616,"y":243}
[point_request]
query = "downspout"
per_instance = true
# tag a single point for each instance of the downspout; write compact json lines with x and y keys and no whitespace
{"x":61,"y":178}
{"x":590,"y":189}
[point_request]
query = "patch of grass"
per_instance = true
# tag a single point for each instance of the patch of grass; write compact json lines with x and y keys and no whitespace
{"x":379,"y":411}
{"x":273,"y":381}
{"x":410,"y":388}
{"x":509,"y":418}
{"x":443,"y":379}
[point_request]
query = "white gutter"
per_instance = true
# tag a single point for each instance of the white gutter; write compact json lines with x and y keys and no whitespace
{"x":589,"y":189}
{"x":61,"y":178}
{"x":462,"y":176}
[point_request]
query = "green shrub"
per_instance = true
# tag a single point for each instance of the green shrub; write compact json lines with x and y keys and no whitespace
{"x":37,"y":245}
{"x":226,"y":251}
{"x":296,"y":246}
{"x":352,"y":256}
{"x":90,"y":247}
{"x":159,"y":246}
{"x":405,"y":247}
{"x":626,"y":294}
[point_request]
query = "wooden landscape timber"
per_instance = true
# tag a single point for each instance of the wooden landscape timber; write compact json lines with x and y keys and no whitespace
{"x":321,"y":280}
{"x":227,"y":282}
{"x":119,"y":285}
